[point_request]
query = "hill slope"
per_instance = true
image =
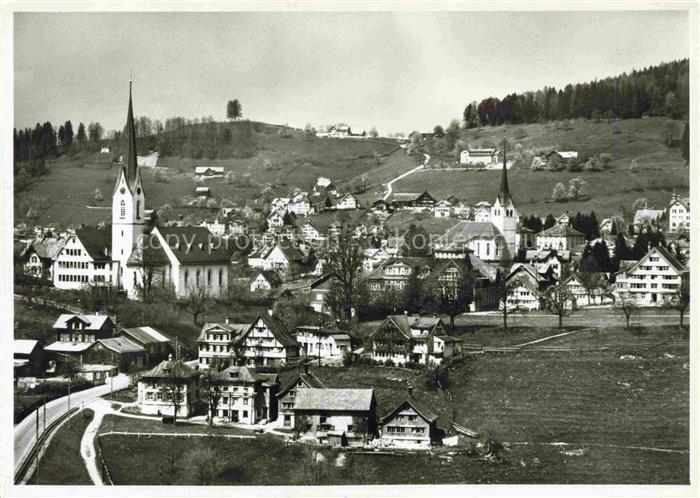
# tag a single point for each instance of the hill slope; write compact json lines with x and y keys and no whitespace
{"x":661,"y":169}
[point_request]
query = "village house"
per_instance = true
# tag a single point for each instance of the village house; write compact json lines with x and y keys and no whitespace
{"x":38,"y":257}
{"x":84,"y":259}
{"x":267,"y":342}
{"x":556,"y":157}
{"x":166,"y":385}
{"x":679,"y":214}
{"x":347,"y":201}
{"x":276,"y":218}
{"x":372,"y":258}
{"x":644,"y":217}
{"x":443,"y":209}
{"x":125,"y":354}
{"x":560,"y":237}
{"x":310,"y":232}
{"x":156,"y":343}
{"x":280,"y":256}
{"x":265,"y":281}
{"x":341,"y":417}
{"x":300,"y":205}
{"x":247,"y":397}
{"x":414,"y":201}
{"x":83,"y":328}
{"x":523,"y":294}
{"x":410,"y":425}
{"x":652,"y":279}
{"x":413,"y":339}
{"x":485,"y":156}
{"x":216,"y":343}
{"x":287,"y":395}
{"x":319,"y":342}
{"x":546,"y":258}
{"x":581,"y":296}
{"x":208,"y":172}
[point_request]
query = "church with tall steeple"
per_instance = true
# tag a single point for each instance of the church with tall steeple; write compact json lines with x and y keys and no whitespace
{"x":128,"y":205}
{"x":494,"y":236}
{"x":182,"y":259}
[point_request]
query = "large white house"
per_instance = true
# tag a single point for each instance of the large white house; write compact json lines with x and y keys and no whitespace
{"x":166,"y":385}
{"x":84,"y":259}
{"x":653,"y":278}
{"x":486,"y":156}
{"x":560,"y":237}
{"x":319,"y":342}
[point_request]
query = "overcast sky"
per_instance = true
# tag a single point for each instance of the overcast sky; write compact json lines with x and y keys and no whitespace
{"x":395,"y":71}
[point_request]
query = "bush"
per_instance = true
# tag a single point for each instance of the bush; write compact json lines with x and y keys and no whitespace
{"x":161,"y":177}
{"x":437,"y":377}
{"x":98,"y":195}
{"x":605,"y":160}
{"x":389,"y":363}
{"x":559,"y":193}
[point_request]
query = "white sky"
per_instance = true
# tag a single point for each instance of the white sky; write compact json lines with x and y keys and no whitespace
{"x":396,"y":71}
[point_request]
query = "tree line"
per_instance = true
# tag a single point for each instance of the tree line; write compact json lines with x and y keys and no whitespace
{"x":661,"y":90}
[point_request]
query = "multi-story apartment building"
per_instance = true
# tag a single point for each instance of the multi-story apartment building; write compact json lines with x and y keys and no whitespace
{"x":267,"y":342}
{"x":156,"y":396}
{"x":216,"y":343}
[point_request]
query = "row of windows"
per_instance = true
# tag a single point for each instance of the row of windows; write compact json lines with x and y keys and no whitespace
{"x":73,"y":278}
{"x":73,"y":252}
{"x":78,"y":337}
{"x":404,"y":430}
{"x":122,"y":209}
{"x":225,"y":400}
{"x":79,"y":265}
{"x":198,"y":274}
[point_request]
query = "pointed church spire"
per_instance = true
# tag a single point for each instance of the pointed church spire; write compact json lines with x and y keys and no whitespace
{"x":504,"y":193}
{"x":130,"y":156}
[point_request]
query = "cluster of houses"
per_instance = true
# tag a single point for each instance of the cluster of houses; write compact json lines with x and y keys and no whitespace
{"x":341,"y":130}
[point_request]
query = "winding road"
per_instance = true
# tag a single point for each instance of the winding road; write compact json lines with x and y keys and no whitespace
{"x":389,"y":187}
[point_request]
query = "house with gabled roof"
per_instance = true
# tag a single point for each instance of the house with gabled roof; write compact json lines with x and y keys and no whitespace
{"x":524,"y":294}
{"x":119,"y":351}
{"x":247,"y":397}
{"x":280,"y":257}
{"x":412,"y":424}
{"x":157,"y":344}
{"x":83,"y":328}
{"x":39,"y":255}
{"x":340,"y":417}
{"x":442,"y":209}
{"x":28,"y":358}
{"x":265,"y":280}
{"x":413,"y":339}
{"x":347,"y":201}
{"x":216,"y":343}
{"x":560,"y":237}
{"x":84,"y":259}
{"x":319,"y":290}
{"x":267,"y":342}
{"x":287,"y":395}
{"x":652,"y":279}
{"x":155,"y":395}
{"x":322,"y":342}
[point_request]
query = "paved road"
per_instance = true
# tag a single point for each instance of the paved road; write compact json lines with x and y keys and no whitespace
{"x":25,"y":431}
{"x":389,"y":187}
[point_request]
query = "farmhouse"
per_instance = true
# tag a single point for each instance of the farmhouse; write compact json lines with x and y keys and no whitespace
{"x":169,"y":384}
{"x":413,"y":339}
{"x":280,"y":256}
{"x":416,"y":202}
{"x":341,"y":417}
{"x":410,"y":425}
{"x":319,"y":290}
{"x":209,"y":172}
{"x":83,"y":328}
{"x":287,"y":395}
{"x":348,"y":201}
{"x":524,"y":294}
{"x":486,"y":156}
{"x":653,"y":278}
{"x":247,"y":397}
{"x":443,"y":209}
{"x":202,"y":192}
{"x":122,"y":352}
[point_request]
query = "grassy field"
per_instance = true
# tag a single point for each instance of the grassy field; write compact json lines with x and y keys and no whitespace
{"x":62,"y":463}
{"x":118,"y":423}
{"x":613,"y":406}
{"x":661,"y":169}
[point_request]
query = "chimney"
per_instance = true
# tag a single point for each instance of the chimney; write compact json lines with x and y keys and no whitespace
{"x":410,"y":389}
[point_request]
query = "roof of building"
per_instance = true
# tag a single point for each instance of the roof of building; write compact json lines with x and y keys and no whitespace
{"x":25,"y":346}
{"x":560,"y":230}
{"x":565,"y":154}
{"x":356,"y":400}
{"x":48,"y":247}
{"x":146,"y":335}
{"x":665,"y":253}
{"x":320,"y":331}
{"x":150,"y":254}
{"x":96,"y":242}
{"x":271,"y":276}
{"x":418,"y":406}
{"x":641,"y":215}
{"x":465,"y":231}
{"x":68,"y":346}
{"x":235,"y":329}
{"x":404,"y":323}
{"x":194,"y":245}
{"x":92,"y":322}
{"x":308,"y":378}
{"x":277,"y":327}
{"x":121,"y":345}
{"x":483,"y":268}
{"x":239,"y":374}
{"x":169,"y":369}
